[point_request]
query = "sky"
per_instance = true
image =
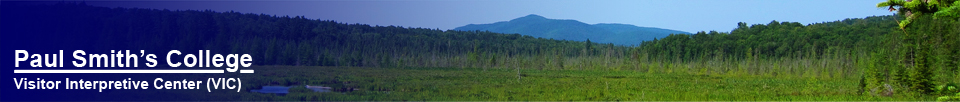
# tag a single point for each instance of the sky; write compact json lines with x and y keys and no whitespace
{"x":683,"y":15}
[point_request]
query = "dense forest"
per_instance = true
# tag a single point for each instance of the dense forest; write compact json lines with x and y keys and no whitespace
{"x":778,"y":39}
{"x":873,"y":49}
{"x":913,"y":52}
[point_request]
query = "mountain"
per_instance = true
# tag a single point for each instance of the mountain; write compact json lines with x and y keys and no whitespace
{"x":539,"y":26}
{"x":630,"y":34}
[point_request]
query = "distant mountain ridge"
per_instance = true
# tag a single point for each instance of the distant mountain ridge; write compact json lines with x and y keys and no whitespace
{"x":539,"y":26}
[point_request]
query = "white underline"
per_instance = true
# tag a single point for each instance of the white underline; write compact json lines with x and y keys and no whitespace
{"x":120,"y":71}
{"x":246,"y":71}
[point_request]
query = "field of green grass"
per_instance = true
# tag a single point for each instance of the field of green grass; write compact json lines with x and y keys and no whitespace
{"x":456,"y":84}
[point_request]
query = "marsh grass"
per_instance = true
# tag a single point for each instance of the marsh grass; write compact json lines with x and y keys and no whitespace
{"x":456,"y":84}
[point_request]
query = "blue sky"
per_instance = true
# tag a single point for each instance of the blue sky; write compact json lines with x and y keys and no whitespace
{"x":683,"y":15}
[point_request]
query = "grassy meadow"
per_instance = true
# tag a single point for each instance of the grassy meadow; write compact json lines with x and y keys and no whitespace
{"x":449,"y":84}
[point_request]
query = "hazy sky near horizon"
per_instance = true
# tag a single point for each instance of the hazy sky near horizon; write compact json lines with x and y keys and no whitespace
{"x":683,"y":15}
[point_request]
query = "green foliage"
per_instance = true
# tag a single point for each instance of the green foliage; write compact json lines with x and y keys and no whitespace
{"x":862,"y":85}
{"x":947,"y":89}
{"x":930,"y":52}
{"x":949,"y":92}
{"x":941,"y":9}
{"x":878,"y":70}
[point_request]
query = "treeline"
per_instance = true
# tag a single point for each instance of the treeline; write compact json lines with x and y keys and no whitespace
{"x":922,"y":59}
{"x":279,"y":40}
{"x":777,"y":40}
{"x":887,"y":59}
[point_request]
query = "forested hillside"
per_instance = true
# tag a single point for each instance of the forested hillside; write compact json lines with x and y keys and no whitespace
{"x":918,"y":59}
{"x":779,"y":39}
{"x":281,"y":40}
